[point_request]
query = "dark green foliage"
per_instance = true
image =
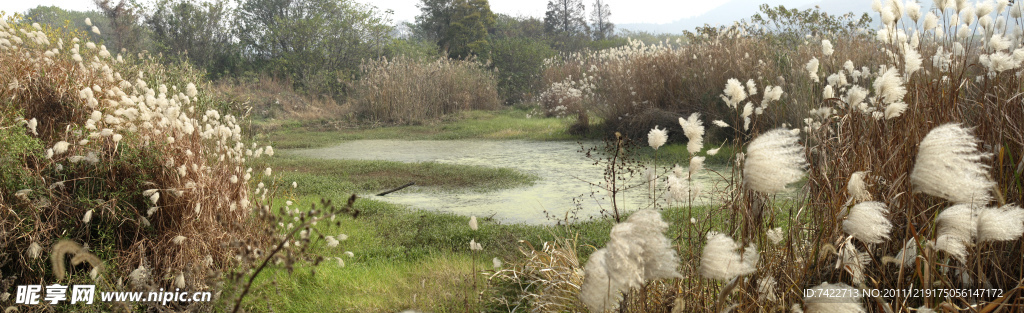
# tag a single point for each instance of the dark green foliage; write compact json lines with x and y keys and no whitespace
{"x":317,"y":44}
{"x":467,"y":34}
{"x":565,"y":17}
{"x":507,"y":26}
{"x":519,"y":62}
{"x":57,"y":17}
{"x":196,"y":30}
{"x":565,"y":23}
{"x":125,"y":27}
{"x":460,"y":27}
{"x":413,"y":47}
{"x":18,"y":148}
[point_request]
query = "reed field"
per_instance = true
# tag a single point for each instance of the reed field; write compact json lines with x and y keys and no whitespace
{"x":861,"y":165}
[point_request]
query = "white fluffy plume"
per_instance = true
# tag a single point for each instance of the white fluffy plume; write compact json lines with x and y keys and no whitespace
{"x":722,"y":260}
{"x":867,"y":222}
{"x":857,"y":188}
{"x":774,"y":160}
{"x":733,"y":93}
{"x":889,"y":87}
{"x":660,"y":260}
{"x":1000,"y":224}
{"x":958,"y":226}
{"x":949,"y":166}
{"x":693,"y":128}
{"x":657,"y":137}
{"x":596,"y":292}
{"x":636,"y":252}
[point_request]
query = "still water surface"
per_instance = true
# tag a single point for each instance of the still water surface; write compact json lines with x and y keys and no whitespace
{"x":562,"y":170}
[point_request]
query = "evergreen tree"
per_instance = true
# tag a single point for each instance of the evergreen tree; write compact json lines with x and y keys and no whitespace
{"x":566,"y":18}
{"x":459,"y":27}
{"x":599,"y":17}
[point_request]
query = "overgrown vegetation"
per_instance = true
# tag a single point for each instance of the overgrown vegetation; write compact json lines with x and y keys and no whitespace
{"x":406,"y":91}
{"x":903,"y":133}
{"x":640,"y":85}
{"x":143,"y":180}
{"x":905,"y":143}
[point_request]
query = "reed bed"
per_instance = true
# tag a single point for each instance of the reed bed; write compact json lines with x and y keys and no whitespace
{"x":903,"y":145}
{"x":408,"y":91}
{"x":125,"y":157}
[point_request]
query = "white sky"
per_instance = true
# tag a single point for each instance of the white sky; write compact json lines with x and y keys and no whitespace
{"x":623,"y":11}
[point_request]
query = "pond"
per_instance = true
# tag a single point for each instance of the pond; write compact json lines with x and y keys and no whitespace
{"x":564,"y":174}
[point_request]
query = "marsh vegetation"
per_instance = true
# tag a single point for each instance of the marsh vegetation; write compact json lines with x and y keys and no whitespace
{"x":558,"y":167}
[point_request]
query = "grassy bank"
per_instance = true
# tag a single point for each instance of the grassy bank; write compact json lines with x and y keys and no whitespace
{"x":404,"y":258}
{"x":504,"y":124}
{"x":338,"y":178}
{"x":408,"y":259}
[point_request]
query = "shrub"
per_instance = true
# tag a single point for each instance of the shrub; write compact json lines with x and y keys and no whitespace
{"x":140,"y":167}
{"x":518,"y":63}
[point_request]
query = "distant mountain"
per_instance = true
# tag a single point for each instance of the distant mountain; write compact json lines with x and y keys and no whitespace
{"x":742,"y":9}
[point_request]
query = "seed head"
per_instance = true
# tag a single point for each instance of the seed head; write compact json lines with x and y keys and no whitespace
{"x":657,"y":137}
{"x":773,"y":160}
{"x":722,"y":260}
{"x":949,"y":166}
{"x":867,"y":222}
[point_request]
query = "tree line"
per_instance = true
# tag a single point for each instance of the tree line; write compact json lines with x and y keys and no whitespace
{"x":318,"y":45}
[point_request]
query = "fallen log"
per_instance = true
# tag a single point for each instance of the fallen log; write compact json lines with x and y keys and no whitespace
{"x":396,"y":189}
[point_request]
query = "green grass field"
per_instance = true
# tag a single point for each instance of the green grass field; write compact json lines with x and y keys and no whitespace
{"x":505,"y":124}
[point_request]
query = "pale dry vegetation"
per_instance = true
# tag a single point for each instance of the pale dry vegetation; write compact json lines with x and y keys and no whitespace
{"x":909,"y":137}
{"x":408,"y":91}
{"x":127,"y":157}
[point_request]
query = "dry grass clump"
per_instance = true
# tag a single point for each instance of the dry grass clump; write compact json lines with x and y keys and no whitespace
{"x":550,"y":278}
{"x":271,"y":97}
{"x":408,"y":91}
{"x":125,"y":157}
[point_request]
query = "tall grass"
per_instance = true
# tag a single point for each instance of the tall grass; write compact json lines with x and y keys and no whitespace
{"x":921,"y":117}
{"x":274,"y":98}
{"x":638,"y":86}
{"x":127,"y":156}
{"x":407,"y":91}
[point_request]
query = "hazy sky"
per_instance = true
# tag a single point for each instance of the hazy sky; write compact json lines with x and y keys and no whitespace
{"x":623,"y":11}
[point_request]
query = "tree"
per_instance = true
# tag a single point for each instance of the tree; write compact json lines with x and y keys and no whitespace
{"x":602,"y":25}
{"x":519,"y":62}
{"x":57,"y":17}
{"x":434,"y":18}
{"x":318,"y":44}
{"x":507,"y":26}
{"x":124,"y":24}
{"x":460,"y":27}
{"x":565,"y":18}
{"x":198,"y":30}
